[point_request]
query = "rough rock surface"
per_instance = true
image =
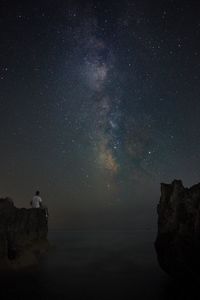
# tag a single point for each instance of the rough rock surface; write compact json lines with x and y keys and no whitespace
{"x":178,"y":239}
{"x":23,"y":235}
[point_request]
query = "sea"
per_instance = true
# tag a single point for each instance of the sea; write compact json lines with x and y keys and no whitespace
{"x":96,"y":265}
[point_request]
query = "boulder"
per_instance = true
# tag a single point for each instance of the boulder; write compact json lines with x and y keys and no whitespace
{"x":178,"y":238}
{"x":23,"y":235}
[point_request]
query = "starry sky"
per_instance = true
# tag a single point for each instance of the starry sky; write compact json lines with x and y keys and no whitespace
{"x":99,"y":103}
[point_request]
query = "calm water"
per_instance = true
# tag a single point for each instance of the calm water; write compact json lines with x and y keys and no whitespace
{"x":96,"y":265}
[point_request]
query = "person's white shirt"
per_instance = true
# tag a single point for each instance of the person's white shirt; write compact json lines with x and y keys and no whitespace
{"x":37,"y":200}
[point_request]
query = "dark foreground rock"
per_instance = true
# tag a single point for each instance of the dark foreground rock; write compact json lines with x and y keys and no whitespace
{"x":23,"y":235}
{"x":178,"y":239}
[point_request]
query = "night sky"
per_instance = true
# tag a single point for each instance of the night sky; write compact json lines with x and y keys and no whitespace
{"x":99,"y":103}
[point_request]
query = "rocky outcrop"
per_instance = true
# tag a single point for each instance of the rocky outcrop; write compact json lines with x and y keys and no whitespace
{"x":23,"y":235}
{"x":178,"y":239}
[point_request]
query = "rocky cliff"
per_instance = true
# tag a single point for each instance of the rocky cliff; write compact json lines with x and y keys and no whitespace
{"x":23,"y":235}
{"x":178,"y":239}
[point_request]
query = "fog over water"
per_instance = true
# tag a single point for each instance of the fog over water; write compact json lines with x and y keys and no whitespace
{"x":96,"y":265}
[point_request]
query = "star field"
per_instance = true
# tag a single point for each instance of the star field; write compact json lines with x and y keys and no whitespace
{"x":99,"y":103}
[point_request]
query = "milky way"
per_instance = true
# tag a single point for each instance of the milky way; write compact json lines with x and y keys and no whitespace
{"x":97,"y":71}
{"x":111,"y":127}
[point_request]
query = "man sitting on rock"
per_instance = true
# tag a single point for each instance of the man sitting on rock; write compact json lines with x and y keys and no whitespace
{"x":37,"y":203}
{"x":37,"y":200}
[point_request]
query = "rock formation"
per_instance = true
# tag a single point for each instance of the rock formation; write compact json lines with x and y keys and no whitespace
{"x":23,"y":235}
{"x":178,"y":239}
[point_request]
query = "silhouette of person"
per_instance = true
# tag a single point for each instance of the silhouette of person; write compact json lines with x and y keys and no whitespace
{"x":37,"y":200}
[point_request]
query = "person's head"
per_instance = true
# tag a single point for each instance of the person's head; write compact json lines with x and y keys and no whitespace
{"x":37,"y":193}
